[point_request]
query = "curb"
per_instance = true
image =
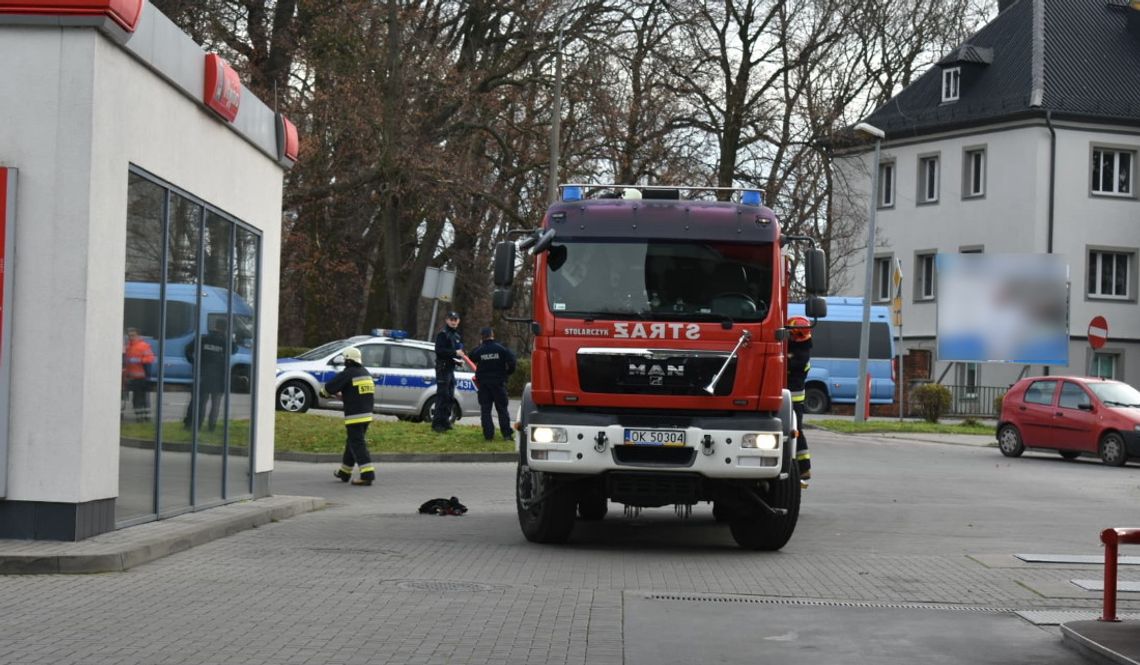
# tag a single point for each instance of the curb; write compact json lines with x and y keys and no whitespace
{"x":119,"y":550}
{"x":398,"y":458}
{"x":1087,"y":646}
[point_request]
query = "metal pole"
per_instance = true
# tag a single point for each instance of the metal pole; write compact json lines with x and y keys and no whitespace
{"x":899,"y":387}
{"x":434,"y":309}
{"x":861,"y":397}
{"x":555,"y":121}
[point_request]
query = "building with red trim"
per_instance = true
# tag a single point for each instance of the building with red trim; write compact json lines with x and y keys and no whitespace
{"x":140,"y":233}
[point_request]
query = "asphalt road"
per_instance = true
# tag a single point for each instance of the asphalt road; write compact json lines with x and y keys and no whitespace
{"x":903,"y":554}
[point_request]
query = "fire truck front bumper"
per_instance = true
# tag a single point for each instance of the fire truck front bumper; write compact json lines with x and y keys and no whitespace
{"x":740,"y":446}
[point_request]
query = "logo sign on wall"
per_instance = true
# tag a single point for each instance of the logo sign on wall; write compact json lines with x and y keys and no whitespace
{"x":1003,"y":308}
{"x":223,"y":87}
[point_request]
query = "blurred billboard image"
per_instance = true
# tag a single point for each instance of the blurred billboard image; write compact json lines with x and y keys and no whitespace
{"x":1003,"y":308}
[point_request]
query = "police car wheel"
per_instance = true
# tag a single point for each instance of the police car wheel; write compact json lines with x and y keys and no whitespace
{"x":295,"y":397}
{"x":428,"y":413}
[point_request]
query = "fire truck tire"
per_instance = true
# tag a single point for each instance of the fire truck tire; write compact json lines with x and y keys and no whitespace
{"x":592,"y":504}
{"x":761,"y":531}
{"x":551,"y":519}
{"x":720,"y":512}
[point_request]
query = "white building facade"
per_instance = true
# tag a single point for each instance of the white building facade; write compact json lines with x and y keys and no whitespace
{"x":974,"y":163}
{"x":138,"y":194}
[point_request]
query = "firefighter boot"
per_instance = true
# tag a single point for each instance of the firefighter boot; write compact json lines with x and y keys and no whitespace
{"x":343,"y":474}
{"x":367,"y":475}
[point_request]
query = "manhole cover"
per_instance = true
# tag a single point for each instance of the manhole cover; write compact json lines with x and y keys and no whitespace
{"x":440,"y":585}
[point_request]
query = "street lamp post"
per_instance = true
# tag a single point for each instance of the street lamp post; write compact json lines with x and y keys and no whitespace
{"x":861,"y":396}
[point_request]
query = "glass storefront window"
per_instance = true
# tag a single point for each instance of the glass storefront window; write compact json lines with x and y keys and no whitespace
{"x":190,"y":295}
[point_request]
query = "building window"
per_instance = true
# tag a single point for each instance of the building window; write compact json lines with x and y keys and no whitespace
{"x":1112,"y":172}
{"x":924,"y":277}
{"x":1104,"y":365}
{"x":968,"y":379}
{"x":951,"y":81}
{"x":1109,"y":274}
{"x":928,"y":180}
{"x":887,"y":185}
{"x":975,"y":181}
{"x":882,"y":279}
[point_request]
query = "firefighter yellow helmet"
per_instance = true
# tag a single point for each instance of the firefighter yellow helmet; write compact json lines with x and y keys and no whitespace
{"x":800,"y":329}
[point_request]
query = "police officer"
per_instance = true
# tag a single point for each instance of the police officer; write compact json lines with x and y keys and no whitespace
{"x":799,"y":362}
{"x":357,"y":389}
{"x":493,"y":364}
{"x":217,"y":347}
{"x":448,"y":347}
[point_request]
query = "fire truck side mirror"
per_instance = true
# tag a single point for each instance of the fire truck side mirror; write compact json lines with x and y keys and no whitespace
{"x":503,"y":298}
{"x":815,"y":271}
{"x":815,"y":307}
{"x":504,"y":263}
{"x":544,"y":242}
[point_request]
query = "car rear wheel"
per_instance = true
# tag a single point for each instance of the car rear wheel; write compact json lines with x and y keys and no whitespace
{"x":295,"y":397}
{"x":1112,"y":450}
{"x":1069,"y":454}
{"x":1009,"y":441}
{"x":816,"y":401}
{"x":427,"y":414}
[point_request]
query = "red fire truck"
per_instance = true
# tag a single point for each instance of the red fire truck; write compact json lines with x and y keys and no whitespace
{"x":658,"y":370}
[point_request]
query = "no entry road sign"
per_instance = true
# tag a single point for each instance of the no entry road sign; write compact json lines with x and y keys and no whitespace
{"x":1098,"y":332}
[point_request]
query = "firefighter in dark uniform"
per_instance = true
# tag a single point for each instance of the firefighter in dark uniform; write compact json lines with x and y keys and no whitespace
{"x":493,"y":364}
{"x":357,"y":389}
{"x":799,"y":362}
{"x":448,"y":347}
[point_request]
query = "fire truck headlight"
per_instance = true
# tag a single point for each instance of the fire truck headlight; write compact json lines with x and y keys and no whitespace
{"x":548,"y":435}
{"x":759,"y":440}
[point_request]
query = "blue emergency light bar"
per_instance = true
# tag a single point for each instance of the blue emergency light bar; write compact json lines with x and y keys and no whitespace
{"x":577,"y":192}
{"x":388,"y":332}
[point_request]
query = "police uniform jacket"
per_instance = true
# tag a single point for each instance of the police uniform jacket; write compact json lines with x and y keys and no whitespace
{"x":447,"y":342}
{"x":216,"y":350}
{"x":799,"y":362}
{"x":357,"y":391}
{"x":493,"y":363}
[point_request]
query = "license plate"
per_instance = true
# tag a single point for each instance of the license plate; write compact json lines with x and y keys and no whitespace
{"x":654,"y":437}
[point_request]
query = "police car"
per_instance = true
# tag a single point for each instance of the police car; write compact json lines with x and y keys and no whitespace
{"x":403,"y":369}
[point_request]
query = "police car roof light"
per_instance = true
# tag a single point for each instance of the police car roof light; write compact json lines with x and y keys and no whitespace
{"x":571,"y":193}
{"x":752,"y":197}
{"x":388,"y":332}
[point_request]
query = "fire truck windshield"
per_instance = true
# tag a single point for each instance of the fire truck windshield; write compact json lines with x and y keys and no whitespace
{"x":660,"y":280}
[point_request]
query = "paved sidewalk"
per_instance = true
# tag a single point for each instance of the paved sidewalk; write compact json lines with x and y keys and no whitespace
{"x":119,"y":550}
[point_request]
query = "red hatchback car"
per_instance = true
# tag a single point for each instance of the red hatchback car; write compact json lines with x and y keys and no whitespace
{"x":1072,"y":415}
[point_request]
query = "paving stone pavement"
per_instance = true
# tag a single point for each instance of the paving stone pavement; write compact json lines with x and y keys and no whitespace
{"x":368,"y":580}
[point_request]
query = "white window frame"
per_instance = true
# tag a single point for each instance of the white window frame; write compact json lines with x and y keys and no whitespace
{"x":886,"y":193}
{"x":924,"y":272}
{"x":929,"y":176}
{"x":1096,"y":175}
{"x":882,"y":278}
{"x":968,"y":374}
{"x":951,"y":84}
{"x":974,"y":185}
{"x":1096,"y":267}
{"x":1114,"y":358}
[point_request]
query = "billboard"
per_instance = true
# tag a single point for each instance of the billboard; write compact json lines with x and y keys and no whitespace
{"x":1003,"y":308}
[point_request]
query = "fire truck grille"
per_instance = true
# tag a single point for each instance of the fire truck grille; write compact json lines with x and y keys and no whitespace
{"x":647,"y":489}
{"x":654,"y":455}
{"x":633,"y":375}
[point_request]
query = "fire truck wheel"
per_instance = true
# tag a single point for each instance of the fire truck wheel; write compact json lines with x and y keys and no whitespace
{"x":551,"y":518}
{"x":720,"y":512}
{"x":761,"y":531}
{"x":593,"y":504}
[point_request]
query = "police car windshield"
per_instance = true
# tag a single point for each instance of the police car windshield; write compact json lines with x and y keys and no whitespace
{"x":660,"y":280}
{"x":324,"y":350}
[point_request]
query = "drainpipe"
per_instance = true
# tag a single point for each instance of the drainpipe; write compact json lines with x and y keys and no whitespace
{"x":1052,"y":186}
